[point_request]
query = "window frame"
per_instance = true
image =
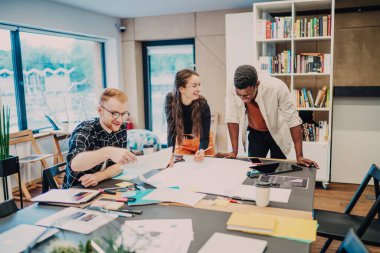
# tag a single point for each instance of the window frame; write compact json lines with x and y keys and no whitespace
{"x":18,"y":70}
{"x":147,"y":89}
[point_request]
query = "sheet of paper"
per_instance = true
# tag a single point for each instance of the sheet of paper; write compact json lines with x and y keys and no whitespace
{"x":249,"y":192}
{"x":212,"y":176}
{"x":175,"y":195}
{"x":225,"y":243}
{"x":68,"y":196}
{"x":78,"y":220}
{"x":19,"y":238}
{"x":156,"y":236}
{"x":146,"y":163}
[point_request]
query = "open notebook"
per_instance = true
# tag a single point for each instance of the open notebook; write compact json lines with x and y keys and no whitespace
{"x":67,"y":196}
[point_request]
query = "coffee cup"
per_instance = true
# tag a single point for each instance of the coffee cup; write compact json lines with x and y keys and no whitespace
{"x":262,"y":193}
{"x":148,"y":149}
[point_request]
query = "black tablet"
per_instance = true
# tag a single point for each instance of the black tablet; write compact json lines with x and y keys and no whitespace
{"x":276,"y":168}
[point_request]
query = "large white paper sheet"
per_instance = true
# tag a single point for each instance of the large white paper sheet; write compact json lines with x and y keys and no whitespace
{"x":146,"y":163}
{"x":78,"y":220}
{"x":20,"y":237}
{"x":175,"y":195}
{"x":225,"y":243}
{"x":156,"y":236}
{"x":212,"y":176}
{"x":248,"y":192}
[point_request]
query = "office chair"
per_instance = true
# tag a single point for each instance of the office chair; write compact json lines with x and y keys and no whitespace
{"x":48,"y":176}
{"x":352,"y":244}
{"x":7,"y":208}
{"x":334,"y":225}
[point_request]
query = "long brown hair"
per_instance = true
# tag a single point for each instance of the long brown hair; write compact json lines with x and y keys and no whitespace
{"x":181,"y":79}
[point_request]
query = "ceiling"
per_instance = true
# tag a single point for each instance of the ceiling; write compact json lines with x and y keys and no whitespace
{"x":143,"y":8}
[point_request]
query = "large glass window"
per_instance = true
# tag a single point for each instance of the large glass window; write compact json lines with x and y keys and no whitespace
{"x":162,"y":60}
{"x":7,"y":88}
{"x":62,"y":77}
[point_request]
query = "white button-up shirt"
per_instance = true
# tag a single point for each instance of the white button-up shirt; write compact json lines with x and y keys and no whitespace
{"x":276,"y":106}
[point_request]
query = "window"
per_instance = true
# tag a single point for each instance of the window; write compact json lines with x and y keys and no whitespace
{"x":44,"y":72}
{"x":7,"y":88}
{"x":162,"y":59}
{"x":62,"y":77}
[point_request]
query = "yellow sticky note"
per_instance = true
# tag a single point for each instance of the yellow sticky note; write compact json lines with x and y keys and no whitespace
{"x":221,"y":202}
{"x":124,"y":184}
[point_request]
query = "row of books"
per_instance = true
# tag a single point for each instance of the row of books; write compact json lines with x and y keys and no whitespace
{"x":279,"y":28}
{"x":303,"y":63}
{"x":281,"y":63}
{"x":303,"y":98}
{"x":315,"y":133}
{"x":312,"y":63}
{"x":313,"y":27}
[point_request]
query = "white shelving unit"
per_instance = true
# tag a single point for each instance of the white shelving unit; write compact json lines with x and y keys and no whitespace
{"x":318,"y":151}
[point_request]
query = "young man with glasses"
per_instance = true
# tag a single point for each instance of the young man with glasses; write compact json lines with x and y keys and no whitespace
{"x":98,"y":148}
{"x":273,"y":121}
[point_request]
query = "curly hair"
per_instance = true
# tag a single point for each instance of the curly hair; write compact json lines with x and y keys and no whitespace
{"x":245,"y":76}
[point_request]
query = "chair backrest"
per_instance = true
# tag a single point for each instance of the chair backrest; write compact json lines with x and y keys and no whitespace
{"x":352,"y":244}
{"x":374,"y":172}
{"x":26,"y":136}
{"x":48,"y":176}
{"x":7,"y":208}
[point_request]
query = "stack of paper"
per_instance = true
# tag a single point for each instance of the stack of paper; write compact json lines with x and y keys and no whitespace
{"x":156,"y":236}
{"x":213,"y":175}
{"x":146,"y":163}
{"x":77,"y":220}
{"x":175,"y":195}
{"x":225,"y":243}
{"x":248,"y":192}
{"x":303,"y":230}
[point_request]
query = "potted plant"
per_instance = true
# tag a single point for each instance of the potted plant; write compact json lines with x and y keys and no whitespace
{"x":9,"y":165}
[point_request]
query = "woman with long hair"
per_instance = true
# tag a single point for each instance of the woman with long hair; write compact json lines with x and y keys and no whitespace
{"x":188,"y":117}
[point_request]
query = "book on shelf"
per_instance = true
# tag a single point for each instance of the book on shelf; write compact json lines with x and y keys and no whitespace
{"x":279,"y":64}
{"x":315,"y":133}
{"x":312,"y":63}
{"x":312,"y":27}
{"x":303,"y":98}
{"x":277,"y":28}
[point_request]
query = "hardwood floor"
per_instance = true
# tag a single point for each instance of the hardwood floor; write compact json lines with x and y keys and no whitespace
{"x":336,"y":198}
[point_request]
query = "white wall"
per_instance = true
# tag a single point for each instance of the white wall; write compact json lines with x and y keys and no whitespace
{"x":355,"y":139}
{"x":58,"y":17}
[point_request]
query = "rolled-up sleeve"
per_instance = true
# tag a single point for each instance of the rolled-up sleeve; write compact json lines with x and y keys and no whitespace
{"x":287,"y":108}
{"x":79,"y":142}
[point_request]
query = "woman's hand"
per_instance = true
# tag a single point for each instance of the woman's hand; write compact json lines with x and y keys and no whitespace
{"x":199,"y":156}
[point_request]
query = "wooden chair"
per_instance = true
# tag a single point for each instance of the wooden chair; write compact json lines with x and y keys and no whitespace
{"x":8,"y":207}
{"x":49,"y":177}
{"x":352,"y":244}
{"x":335,"y":226}
{"x":25,"y":138}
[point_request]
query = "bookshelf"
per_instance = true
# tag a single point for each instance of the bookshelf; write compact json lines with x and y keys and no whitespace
{"x":293,"y":41}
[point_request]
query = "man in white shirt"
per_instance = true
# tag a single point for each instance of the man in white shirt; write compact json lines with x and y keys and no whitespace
{"x":266,"y":109}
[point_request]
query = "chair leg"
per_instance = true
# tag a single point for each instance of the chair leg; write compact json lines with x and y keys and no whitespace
{"x":326,"y":245}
